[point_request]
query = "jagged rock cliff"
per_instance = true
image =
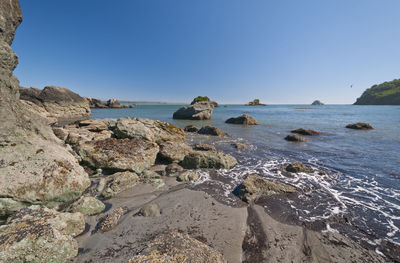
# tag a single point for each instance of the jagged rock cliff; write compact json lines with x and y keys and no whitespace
{"x":35,"y":166}
{"x":386,"y":93}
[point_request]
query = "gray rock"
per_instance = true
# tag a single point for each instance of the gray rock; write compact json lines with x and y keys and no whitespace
{"x":174,"y":151}
{"x":150,"y":174}
{"x":254,"y":187}
{"x":113,"y":103}
{"x":208,"y":159}
{"x":187,"y":176}
{"x":198,"y":111}
{"x":88,"y":205}
{"x":151,"y":210}
{"x":10,"y":18}
{"x":242,"y":119}
{"x":119,"y":182}
{"x":211,"y":130}
{"x":306,"y":132}
{"x":119,"y":154}
{"x":38,"y":234}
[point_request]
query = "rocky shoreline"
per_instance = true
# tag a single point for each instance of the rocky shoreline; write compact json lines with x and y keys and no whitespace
{"x":120,"y":190}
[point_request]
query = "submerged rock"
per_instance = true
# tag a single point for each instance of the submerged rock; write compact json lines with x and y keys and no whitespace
{"x":306,"y":132}
{"x":208,"y":159}
{"x":295,"y":138}
{"x":254,"y":187}
{"x":120,"y":182}
{"x":174,"y":151}
{"x":211,"y":130}
{"x":198,"y":111}
{"x":191,"y":128}
{"x":243,"y":119}
{"x":39,"y":234}
{"x":88,"y":205}
{"x":110,"y":220}
{"x":177,"y":247}
{"x":297,"y":167}
{"x":360,"y":126}
{"x":204,"y":147}
{"x":150,"y":210}
{"x":119,"y":154}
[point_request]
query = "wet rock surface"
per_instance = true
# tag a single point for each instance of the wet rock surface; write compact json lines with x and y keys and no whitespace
{"x":208,"y":159}
{"x":359,"y":126}
{"x":191,"y":128}
{"x":211,"y":130}
{"x":295,"y":138}
{"x":297,"y":167}
{"x":306,"y":132}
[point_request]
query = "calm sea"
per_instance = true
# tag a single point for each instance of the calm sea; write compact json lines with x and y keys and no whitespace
{"x":361,"y":184}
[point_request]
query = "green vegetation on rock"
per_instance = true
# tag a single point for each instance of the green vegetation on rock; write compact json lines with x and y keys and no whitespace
{"x":201,"y":98}
{"x":386,"y":93}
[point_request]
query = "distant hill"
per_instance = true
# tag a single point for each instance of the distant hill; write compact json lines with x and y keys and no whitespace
{"x":387,"y":93}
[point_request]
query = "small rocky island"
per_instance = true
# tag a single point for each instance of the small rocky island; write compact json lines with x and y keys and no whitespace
{"x":317,"y":102}
{"x":386,"y":93}
{"x":109,"y":104}
{"x":201,"y":108}
{"x":255,"y":102}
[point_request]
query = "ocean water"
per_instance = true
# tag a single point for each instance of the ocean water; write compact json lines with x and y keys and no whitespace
{"x":355,"y":188}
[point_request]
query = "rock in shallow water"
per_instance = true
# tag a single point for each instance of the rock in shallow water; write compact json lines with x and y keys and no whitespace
{"x":208,"y":159}
{"x":177,"y":247}
{"x":295,"y":138}
{"x":306,"y":132}
{"x":39,"y":234}
{"x":191,"y":128}
{"x":198,"y":111}
{"x":254,"y":187}
{"x":360,"y":126}
{"x":211,"y":130}
{"x":242,"y":119}
{"x":297,"y":167}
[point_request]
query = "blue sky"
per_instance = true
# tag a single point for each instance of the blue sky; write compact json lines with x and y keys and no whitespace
{"x":230,"y":50}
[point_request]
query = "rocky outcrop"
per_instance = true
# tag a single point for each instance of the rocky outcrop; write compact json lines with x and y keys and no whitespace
{"x":295,"y":138}
{"x":306,"y":132}
{"x":211,"y":130}
{"x":60,"y":103}
{"x":386,"y":93}
{"x":113,"y":103}
{"x":198,"y":111}
{"x":38,"y":234}
{"x":174,"y":151}
{"x":119,"y":154}
{"x":191,"y":128}
{"x":35,"y":167}
{"x":360,"y":126}
{"x":87,"y":205}
{"x":254,"y":187}
{"x":242,"y":119}
{"x":208,"y":159}
{"x":151,"y":130}
{"x":255,"y":102}
{"x":95,"y":103}
{"x":297,"y":167}
{"x":317,"y":102}
{"x":177,"y":247}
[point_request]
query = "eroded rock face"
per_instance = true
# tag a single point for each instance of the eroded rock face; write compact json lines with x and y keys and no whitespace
{"x":306,"y":132}
{"x":254,"y":187}
{"x":208,"y":159}
{"x":198,"y":111}
{"x":152,"y":130}
{"x":60,"y":103}
{"x":177,"y":247}
{"x":297,"y":167}
{"x":243,"y":119}
{"x":119,"y":154}
{"x":35,"y":167}
{"x":295,"y":138}
{"x":360,"y":126}
{"x":211,"y":130}
{"x":174,"y":151}
{"x":39,"y":234}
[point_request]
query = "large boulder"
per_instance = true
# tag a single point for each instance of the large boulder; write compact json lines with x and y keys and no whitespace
{"x":60,"y":103}
{"x":254,"y":187}
{"x":177,"y":247}
{"x":152,"y":130}
{"x":198,"y":111}
{"x":35,"y":167}
{"x":174,"y":151}
{"x":119,"y":154}
{"x":38,"y":234}
{"x":211,"y":130}
{"x":360,"y":126}
{"x":242,"y":119}
{"x":113,"y":103}
{"x":208,"y":159}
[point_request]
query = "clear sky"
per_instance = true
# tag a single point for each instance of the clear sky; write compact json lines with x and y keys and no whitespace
{"x":233,"y":51}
